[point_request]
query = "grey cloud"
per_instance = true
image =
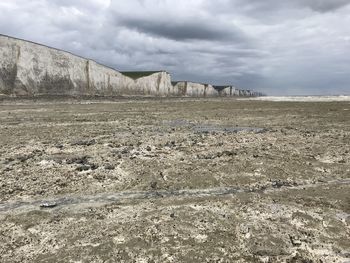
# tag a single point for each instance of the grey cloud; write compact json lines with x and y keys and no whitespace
{"x":274,"y":11}
{"x":230,"y":51}
{"x":280,"y":47}
{"x":324,"y":5}
{"x":183,"y":30}
{"x":176,"y":31}
{"x":317,"y":5}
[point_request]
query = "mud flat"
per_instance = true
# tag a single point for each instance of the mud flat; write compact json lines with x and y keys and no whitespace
{"x":174,"y":180}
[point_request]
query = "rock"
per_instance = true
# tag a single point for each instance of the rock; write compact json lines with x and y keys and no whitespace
{"x":125,"y":151}
{"x":99,"y":177}
{"x":154,"y":185}
{"x":48,"y":205}
{"x":93,"y":166}
{"x":83,"y":143}
{"x":279,"y":184}
{"x":295,"y":242}
{"x":78,"y":160}
{"x":83,"y":168}
{"x":8,"y":160}
{"x":109,"y":167}
{"x":24,"y":158}
{"x":228,"y":153}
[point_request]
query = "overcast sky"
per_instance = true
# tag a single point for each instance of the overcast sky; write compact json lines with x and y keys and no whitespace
{"x":281,"y":47}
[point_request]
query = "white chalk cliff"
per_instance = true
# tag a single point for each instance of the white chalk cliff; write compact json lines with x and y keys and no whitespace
{"x":31,"y":69}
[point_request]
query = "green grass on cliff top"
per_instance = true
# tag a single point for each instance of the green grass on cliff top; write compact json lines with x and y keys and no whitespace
{"x":138,"y":74}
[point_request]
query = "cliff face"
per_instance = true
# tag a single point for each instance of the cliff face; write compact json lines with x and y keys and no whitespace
{"x":192,"y":89}
{"x":101,"y":80}
{"x":225,"y":91}
{"x":30,"y":69}
{"x":158,"y":84}
{"x":229,"y":91}
{"x":210,"y":91}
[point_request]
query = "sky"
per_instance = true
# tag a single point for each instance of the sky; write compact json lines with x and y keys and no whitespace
{"x":279,"y":47}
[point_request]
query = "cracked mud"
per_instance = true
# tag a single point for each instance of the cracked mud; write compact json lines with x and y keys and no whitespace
{"x":178,"y":180}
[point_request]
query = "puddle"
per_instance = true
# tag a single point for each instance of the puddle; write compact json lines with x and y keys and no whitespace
{"x":210,"y":129}
{"x":106,"y":198}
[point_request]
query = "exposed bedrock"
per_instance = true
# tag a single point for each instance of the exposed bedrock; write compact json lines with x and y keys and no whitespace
{"x":192,"y":89}
{"x":30,"y":69}
{"x":230,"y":91}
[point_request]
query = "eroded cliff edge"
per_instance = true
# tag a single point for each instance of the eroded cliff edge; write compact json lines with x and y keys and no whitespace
{"x":31,"y":69}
